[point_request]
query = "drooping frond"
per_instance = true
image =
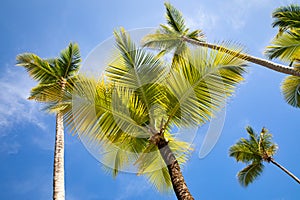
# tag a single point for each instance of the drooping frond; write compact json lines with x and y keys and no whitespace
{"x":38,"y":68}
{"x":151,"y":164}
{"x":102,"y":110}
{"x":285,"y":47}
{"x":200,"y":85}
{"x":290,"y":88}
{"x":69,"y":60}
{"x":250,"y":173}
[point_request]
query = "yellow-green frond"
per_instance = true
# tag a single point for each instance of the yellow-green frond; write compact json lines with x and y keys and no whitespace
{"x":38,"y":68}
{"x":291,"y":90}
{"x":285,"y":47}
{"x":200,"y":85}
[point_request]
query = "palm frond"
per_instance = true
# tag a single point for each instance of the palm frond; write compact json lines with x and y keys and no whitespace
{"x":69,"y":60}
{"x":168,"y":38}
{"x":287,"y":17}
{"x":175,"y":19}
{"x":137,"y":70}
{"x":151,"y":164}
{"x":101,"y":110}
{"x":285,"y":47}
{"x":38,"y":68}
{"x":243,"y":152}
{"x":200,"y":85}
{"x":290,"y":89}
{"x":250,"y":173}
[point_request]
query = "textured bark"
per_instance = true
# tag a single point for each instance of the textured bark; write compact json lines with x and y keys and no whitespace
{"x":180,"y":188}
{"x":285,"y":170}
{"x":59,"y":171}
{"x":263,"y":62}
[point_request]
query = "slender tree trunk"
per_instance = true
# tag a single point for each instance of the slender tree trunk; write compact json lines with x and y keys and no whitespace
{"x":259,"y":61}
{"x":285,"y":170}
{"x":58,"y":171}
{"x":179,"y":186}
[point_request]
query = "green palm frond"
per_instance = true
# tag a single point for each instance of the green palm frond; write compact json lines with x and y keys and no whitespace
{"x":243,"y":152}
{"x":38,"y":68}
{"x":200,"y":86}
{"x":69,"y":60}
{"x":290,"y":88}
{"x":151,"y":164}
{"x":175,"y":19}
{"x":118,"y":156}
{"x":102,"y":110}
{"x":168,"y":38}
{"x":287,"y":17}
{"x":250,"y":173}
{"x":266,"y":143}
{"x":137,"y":70}
{"x":285,"y":47}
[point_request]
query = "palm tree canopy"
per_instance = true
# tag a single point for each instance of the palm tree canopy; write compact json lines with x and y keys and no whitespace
{"x":286,"y":47}
{"x":140,"y":95}
{"x":52,"y":74}
{"x":253,"y":151}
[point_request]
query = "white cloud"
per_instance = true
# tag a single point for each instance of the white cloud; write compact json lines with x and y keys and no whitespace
{"x":15,"y":109}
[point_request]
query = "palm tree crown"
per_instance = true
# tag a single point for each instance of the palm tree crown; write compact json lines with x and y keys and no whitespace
{"x":52,"y":75}
{"x":254,"y":150}
{"x":132,"y":112}
{"x":286,"y":47}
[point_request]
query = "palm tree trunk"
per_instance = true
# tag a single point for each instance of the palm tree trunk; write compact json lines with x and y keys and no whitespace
{"x":179,"y":186}
{"x":263,"y":62}
{"x":285,"y":170}
{"x":58,"y":171}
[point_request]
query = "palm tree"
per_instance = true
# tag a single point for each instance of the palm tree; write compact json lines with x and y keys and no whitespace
{"x":55,"y":77}
{"x":175,"y":34}
{"x":255,"y":150}
{"x":286,"y":47}
{"x":133,"y":110}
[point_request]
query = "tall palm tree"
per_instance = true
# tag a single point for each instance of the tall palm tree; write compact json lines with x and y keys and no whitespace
{"x":54,"y":77}
{"x":255,"y":150}
{"x":131,"y":113}
{"x":286,"y":47}
{"x":175,"y":34}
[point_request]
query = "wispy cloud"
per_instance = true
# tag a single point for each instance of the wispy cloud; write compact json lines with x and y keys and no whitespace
{"x":15,"y":109}
{"x":212,"y":19}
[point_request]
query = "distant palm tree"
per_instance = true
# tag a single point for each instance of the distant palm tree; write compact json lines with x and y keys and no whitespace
{"x":55,"y":77}
{"x":255,"y":150}
{"x":133,"y":110}
{"x":286,"y":47}
{"x":175,"y":34}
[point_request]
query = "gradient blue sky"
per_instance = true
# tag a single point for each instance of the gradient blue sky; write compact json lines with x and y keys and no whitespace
{"x":27,"y":134}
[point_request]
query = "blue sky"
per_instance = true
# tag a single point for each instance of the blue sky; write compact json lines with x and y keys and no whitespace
{"x":27,"y":133}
